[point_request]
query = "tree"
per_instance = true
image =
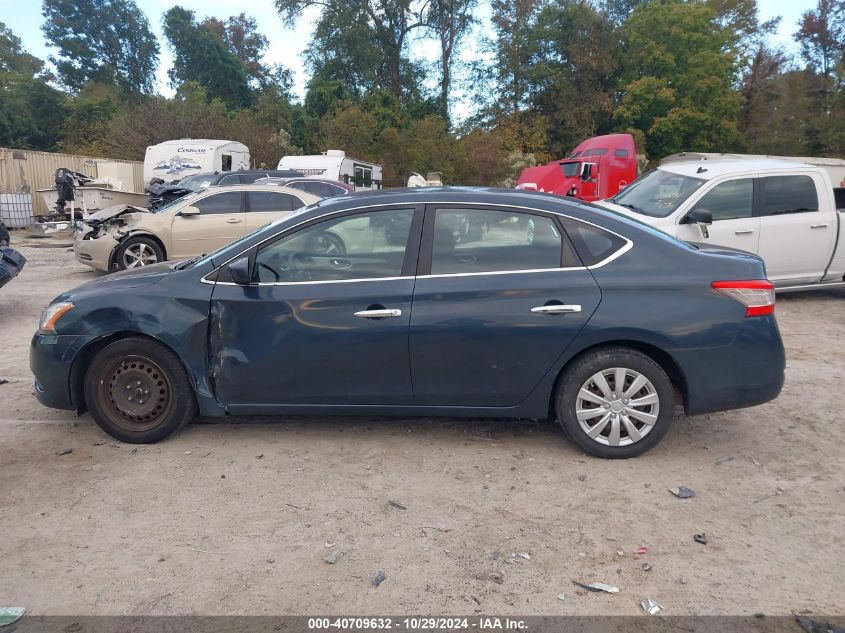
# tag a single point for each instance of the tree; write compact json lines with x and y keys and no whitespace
{"x":242,"y":38}
{"x":31,"y":111}
{"x":573,"y":71}
{"x":450,"y":21}
{"x":821,"y":36}
{"x":362,"y":42}
{"x":107,"y":41}
{"x":679,"y":71}
{"x":201,"y":56}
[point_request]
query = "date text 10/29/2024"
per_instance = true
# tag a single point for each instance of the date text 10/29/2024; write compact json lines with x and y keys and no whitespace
{"x":417,"y":624}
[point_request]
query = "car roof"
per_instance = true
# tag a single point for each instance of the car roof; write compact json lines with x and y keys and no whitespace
{"x":709,"y":169}
{"x":308,"y":198}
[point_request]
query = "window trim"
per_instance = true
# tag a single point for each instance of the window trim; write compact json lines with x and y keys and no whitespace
{"x":208,"y":278}
{"x":427,"y":245}
{"x":409,"y":262}
{"x":212,"y":191}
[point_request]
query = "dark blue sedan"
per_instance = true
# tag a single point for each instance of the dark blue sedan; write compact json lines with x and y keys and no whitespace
{"x":453,"y":302}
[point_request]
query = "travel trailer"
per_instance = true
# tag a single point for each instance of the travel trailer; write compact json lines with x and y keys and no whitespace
{"x":172,"y":160}
{"x":334,"y":164}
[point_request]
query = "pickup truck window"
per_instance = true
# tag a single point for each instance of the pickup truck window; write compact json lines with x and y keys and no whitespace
{"x":657,"y":193}
{"x":787,"y":194}
{"x":729,"y":200}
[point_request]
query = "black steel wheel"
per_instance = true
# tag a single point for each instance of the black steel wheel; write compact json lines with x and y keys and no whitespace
{"x":138,"y":391}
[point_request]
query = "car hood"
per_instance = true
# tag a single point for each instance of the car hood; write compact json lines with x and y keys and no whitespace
{"x":123,"y":280}
{"x":110,"y":213}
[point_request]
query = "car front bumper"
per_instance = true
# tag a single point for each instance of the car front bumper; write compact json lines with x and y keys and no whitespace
{"x":51,"y":359}
{"x":748,"y":372}
{"x":95,"y":252}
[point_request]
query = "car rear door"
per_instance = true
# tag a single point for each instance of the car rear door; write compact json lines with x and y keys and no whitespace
{"x":220,"y":221}
{"x":499,"y":296}
{"x":266,"y":206}
{"x":319,"y":326}
{"x":796,"y":236}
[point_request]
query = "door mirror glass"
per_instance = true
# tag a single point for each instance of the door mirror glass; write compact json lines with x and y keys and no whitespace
{"x":587,"y":171}
{"x":239,"y":271}
{"x":189,"y":210}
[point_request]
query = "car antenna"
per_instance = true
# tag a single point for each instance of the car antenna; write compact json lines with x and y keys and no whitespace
{"x":701,"y":170}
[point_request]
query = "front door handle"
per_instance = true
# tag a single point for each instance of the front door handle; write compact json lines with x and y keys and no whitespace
{"x":557,"y":308}
{"x":744,"y":232}
{"x":818,"y":226}
{"x":378,"y":314}
{"x":233,"y":221}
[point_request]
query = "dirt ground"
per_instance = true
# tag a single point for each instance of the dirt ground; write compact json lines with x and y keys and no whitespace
{"x":241,"y":516}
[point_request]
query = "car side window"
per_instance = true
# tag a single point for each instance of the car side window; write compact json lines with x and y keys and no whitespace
{"x":232,"y":179}
{"x":593,"y":244}
{"x":729,"y":200}
{"x":227,"y":202}
{"x":361,"y":246}
{"x":272,"y":202}
{"x":481,"y":240}
{"x":787,"y":194}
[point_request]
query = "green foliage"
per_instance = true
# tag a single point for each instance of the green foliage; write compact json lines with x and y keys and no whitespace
{"x":107,"y":41}
{"x":201,"y":56}
{"x":679,"y":68}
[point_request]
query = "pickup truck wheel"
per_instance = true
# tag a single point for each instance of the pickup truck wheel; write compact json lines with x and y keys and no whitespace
{"x":615,"y":402}
{"x":138,"y":391}
{"x":137,"y":251}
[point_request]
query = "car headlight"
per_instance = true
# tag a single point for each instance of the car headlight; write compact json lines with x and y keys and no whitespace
{"x":52,"y":314}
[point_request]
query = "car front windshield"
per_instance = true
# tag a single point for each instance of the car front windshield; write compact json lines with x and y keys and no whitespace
{"x":176,"y":202}
{"x":658,"y":193}
{"x":571,"y":169}
{"x":197,"y":182}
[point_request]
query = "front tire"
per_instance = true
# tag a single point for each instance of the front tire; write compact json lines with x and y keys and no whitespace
{"x":137,"y":251}
{"x":615,"y":402}
{"x":138,"y":391}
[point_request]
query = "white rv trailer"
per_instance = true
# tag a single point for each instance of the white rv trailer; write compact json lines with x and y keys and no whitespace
{"x":173,"y":160}
{"x":334,"y":164}
{"x":835,"y":167}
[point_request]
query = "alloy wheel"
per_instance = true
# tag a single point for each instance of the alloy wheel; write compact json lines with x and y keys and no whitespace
{"x":617,"y":406}
{"x":139,"y":255}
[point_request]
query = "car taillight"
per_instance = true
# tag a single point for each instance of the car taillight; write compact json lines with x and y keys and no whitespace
{"x":758,"y":295}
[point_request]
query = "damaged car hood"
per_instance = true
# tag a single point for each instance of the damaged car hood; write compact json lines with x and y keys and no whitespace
{"x":112,"y":212}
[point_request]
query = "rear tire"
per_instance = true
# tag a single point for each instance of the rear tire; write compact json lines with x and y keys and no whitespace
{"x":138,"y":391}
{"x":606,"y":421}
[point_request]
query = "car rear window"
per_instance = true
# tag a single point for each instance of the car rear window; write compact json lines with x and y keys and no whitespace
{"x":594,"y":245}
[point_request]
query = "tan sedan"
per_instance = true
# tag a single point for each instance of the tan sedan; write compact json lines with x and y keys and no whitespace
{"x":127,"y":237}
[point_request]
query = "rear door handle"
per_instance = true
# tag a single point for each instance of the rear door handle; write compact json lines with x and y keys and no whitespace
{"x":556,"y":309}
{"x":233,"y":221}
{"x":378,"y":314}
{"x":818,"y":226}
{"x":743,"y":231}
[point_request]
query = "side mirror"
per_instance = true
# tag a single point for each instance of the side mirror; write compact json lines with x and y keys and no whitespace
{"x":587,"y":171}
{"x":699,"y":216}
{"x":189,"y":211}
{"x":702,"y":217}
{"x":239,"y":271}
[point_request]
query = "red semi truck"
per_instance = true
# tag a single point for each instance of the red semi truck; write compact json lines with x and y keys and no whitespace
{"x":597,"y":169}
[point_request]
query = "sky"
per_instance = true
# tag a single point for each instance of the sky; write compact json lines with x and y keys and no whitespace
{"x":287,"y":44}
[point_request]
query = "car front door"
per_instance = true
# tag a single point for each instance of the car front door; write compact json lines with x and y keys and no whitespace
{"x":220,"y":220}
{"x":266,"y":206}
{"x":499,"y":296}
{"x":319,"y":325}
{"x":734,"y":224}
{"x":796,"y":236}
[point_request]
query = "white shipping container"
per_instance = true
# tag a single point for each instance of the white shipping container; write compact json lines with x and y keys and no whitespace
{"x":16,"y":210}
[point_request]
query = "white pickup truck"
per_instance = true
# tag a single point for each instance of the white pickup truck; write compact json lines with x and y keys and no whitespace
{"x":783,"y":211}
